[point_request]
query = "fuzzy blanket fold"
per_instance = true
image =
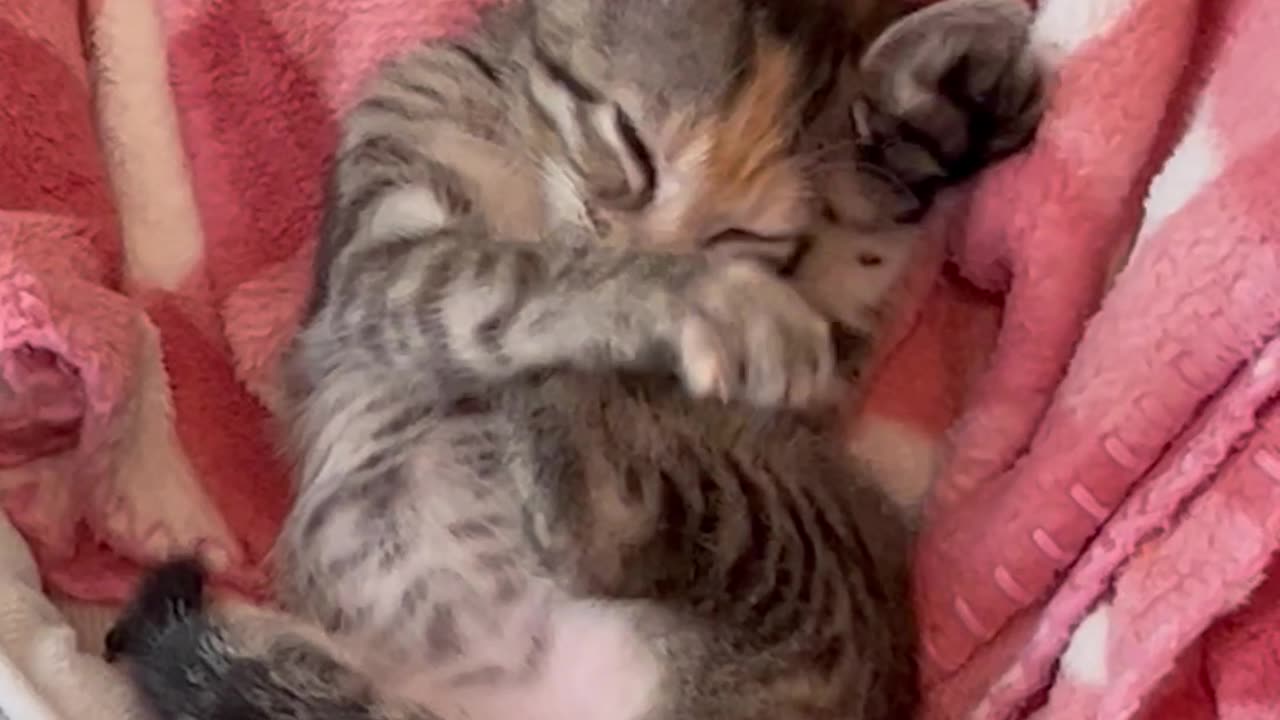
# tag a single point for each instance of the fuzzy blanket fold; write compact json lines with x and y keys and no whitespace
{"x":1112,"y":498}
{"x":1090,"y":385}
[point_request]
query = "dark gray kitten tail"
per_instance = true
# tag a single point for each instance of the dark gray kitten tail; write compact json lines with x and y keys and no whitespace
{"x":185,"y":663}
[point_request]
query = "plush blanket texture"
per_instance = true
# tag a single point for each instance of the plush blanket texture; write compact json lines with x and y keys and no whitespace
{"x":1089,"y":385}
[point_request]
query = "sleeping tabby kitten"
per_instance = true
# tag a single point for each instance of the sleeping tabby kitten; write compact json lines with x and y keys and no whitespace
{"x":553,"y":396}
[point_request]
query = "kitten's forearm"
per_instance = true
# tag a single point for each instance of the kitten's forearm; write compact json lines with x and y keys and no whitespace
{"x":411,"y":270}
{"x":455,"y":300}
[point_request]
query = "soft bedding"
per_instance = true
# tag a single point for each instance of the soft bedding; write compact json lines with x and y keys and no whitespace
{"x":1086,"y":389}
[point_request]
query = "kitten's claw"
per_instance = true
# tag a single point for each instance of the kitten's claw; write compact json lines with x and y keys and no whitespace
{"x":751,"y":337}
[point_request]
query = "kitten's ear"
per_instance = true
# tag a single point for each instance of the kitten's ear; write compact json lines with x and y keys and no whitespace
{"x":950,"y":88}
{"x":609,"y":157}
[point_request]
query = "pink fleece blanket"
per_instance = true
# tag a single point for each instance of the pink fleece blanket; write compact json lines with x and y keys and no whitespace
{"x":1091,"y":383}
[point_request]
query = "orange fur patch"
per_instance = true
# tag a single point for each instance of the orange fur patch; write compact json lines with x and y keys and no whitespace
{"x":734,"y":165}
{"x":751,"y":137}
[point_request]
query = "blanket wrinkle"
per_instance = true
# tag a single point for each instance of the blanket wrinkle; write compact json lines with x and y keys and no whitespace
{"x":1144,"y":492}
{"x":1088,"y":382}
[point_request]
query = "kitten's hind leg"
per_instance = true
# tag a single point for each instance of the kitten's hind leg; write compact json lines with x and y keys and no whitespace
{"x":410,"y":545}
{"x":187,"y":658}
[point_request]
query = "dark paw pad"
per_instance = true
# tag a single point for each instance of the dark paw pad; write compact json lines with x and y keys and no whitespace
{"x":949,"y":90}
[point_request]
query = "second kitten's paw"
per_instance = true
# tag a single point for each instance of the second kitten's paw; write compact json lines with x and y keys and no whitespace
{"x":950,"y":89}
{"x":751,"y":337}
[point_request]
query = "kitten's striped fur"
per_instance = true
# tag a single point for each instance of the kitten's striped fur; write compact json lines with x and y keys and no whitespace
{"x":550,"y":394}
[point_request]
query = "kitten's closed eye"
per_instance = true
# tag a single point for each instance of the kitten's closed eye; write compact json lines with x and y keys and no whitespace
{"x":601,"y":141}
{"x":636,"y":160}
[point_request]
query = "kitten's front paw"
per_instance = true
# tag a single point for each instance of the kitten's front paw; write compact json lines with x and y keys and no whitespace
{"x":950,"y":89}
{"x":752,"y":337}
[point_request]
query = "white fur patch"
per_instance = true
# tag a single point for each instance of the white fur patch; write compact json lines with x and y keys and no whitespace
{"x":407,"y":211}
{"x":624,"y":676}
{"x":595,"y":667}
{"x":559,"y":105}
{"x":1085,"y":660}
{"x":561,"y":194}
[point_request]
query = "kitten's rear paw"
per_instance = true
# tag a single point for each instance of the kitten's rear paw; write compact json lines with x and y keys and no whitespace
{"x":950,"y":89}
{"x":751,"y":337}
{"x":166,"y":596}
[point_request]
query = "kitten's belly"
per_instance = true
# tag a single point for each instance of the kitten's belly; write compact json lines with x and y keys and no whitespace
{"x":543,"y":656}
{"x":593,"y":666}
{"x":465,"y":619}
{"x":586,"y":658}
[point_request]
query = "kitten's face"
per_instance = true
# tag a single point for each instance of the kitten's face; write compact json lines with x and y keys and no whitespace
{"x":702,"y":113}
{"x":766,"y":127}
{"x":737,"y":142}
{"x":710,"y":100}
